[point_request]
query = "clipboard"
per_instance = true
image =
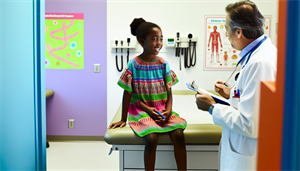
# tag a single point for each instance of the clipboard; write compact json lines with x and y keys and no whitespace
{"x":193,"y":86}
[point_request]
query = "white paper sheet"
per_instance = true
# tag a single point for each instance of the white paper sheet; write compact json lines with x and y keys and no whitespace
{"x":186,"y":107}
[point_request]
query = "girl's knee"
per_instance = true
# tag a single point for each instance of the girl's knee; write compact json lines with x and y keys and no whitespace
{"x":151,"y":139}
{"x":177,"y":135}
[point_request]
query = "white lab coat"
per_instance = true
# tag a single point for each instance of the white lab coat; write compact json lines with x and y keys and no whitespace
{"x":240,"y":119}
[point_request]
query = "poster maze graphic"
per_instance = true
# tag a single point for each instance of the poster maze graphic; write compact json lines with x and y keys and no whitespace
{"x":64,"y":41}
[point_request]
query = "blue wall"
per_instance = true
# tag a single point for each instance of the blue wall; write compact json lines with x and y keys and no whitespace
{"x":291,"y":127}
{"x":22,"y":87}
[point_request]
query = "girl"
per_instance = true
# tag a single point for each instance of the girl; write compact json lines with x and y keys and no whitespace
{"x":147,"y":83}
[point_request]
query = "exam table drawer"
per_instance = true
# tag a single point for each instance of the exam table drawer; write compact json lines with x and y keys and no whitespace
{"x":166,"y":160}
{"x":144,"y":170}
{"x":169,"y":170}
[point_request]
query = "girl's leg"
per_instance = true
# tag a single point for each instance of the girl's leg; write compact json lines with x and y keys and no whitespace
{"x":177,"y":138}
{"x":150,"y":151}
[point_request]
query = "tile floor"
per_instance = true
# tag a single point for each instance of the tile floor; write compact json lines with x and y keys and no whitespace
{"x":81,"y":156}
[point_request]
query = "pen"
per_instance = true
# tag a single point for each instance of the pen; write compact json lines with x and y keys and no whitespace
{"x":161,"y":115}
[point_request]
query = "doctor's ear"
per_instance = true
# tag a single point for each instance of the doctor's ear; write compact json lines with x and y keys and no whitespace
{"x":239,"y":32}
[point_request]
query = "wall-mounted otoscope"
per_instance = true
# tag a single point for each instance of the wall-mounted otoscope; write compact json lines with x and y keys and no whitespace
{"x":187,"y":46}
{"x":133,"y":46}
{"x":119,"y":69}
{"x":128,"y":41}
{"x":191,"y":55}
{"x":178,"y":50}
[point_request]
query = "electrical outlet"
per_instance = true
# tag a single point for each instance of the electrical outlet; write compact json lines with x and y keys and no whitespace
{"x":97,"y":68}
{"x":71,"y":123}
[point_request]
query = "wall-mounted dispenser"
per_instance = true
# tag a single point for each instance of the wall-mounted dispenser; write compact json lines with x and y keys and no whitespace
{"x":171,"y":42}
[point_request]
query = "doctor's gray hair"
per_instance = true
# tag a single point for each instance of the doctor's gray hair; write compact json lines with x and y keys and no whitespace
{"x":242,"y":16}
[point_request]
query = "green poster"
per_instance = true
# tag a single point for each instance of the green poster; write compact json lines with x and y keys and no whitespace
{"x":64,"y":41}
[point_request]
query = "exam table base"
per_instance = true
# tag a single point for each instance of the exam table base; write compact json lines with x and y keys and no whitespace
{"x":199,"y":157}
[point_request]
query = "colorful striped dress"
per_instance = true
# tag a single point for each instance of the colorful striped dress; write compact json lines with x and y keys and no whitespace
{"x":149,"y":82}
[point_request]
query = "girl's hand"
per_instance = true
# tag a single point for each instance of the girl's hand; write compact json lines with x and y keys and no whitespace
{"x":166,"y":114}
{"x":152,"y":112}
{"x":120,"y":124}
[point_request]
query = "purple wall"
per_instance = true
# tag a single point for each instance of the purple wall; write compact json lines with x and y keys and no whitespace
{"x":80,"y":94}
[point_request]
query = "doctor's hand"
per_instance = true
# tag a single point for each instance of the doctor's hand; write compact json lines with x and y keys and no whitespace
{"x":120,"y":124}
{"x":204,"y":101}
{"x":222,"y":89}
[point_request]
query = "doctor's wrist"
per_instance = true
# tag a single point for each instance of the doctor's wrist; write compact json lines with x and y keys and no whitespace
{"x":211,"y":108}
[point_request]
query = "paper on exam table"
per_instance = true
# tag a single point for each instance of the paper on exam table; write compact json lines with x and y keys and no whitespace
{"x":217,"y":99}
{"x":185,"y":106}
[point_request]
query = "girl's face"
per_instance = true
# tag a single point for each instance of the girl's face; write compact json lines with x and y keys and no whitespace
{"x":153,"y":42}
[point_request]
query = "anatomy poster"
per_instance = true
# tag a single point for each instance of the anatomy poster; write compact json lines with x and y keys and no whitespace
{"x":219,"y":54}
{"x":64,"y":41}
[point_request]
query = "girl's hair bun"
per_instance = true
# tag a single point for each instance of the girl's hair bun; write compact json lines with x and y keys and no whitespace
{"x":134,"y":25}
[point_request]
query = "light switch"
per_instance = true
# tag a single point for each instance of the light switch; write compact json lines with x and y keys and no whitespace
{"x":97,"y":68}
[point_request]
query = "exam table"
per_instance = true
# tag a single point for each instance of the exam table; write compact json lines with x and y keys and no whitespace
{"x":49,"y":93}
{"x":202,"y":139}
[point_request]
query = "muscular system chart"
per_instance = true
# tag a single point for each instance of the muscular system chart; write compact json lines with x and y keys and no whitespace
{"x":219,"y":54}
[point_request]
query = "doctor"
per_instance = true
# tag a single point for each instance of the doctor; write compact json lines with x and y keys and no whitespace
{"x":245,"y":31}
